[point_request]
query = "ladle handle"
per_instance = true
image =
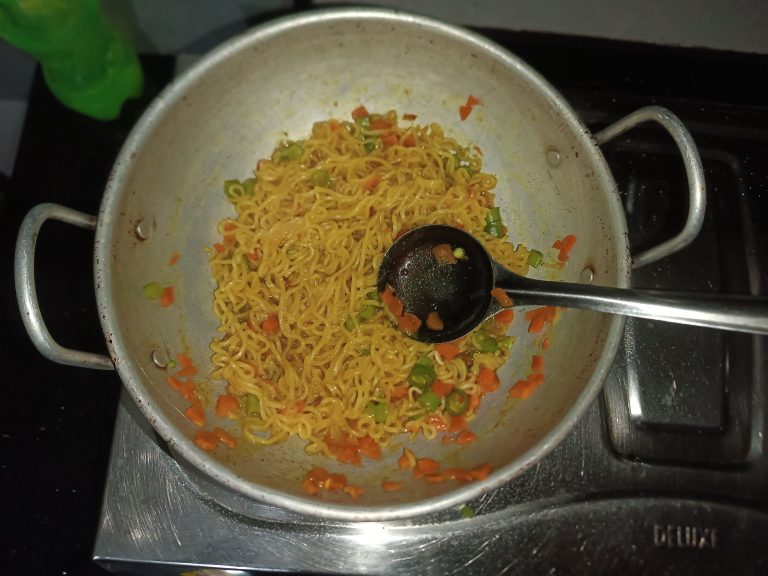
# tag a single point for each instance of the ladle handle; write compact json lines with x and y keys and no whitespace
{"x":729,"y":312}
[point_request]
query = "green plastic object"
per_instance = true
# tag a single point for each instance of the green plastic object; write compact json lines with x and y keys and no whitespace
{"x":87,"y":65}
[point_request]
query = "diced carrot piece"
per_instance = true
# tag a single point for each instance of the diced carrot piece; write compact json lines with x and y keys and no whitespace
{"x":360,"y":112}
{"x":309,"y":487}
{"x":501,"y":297}
{"x":464,"y":111}
{"x":395,"y":306}
{"x":255,"y":256}
{"x":466,"y":437}
{"x":456,"y":424}
{"x":166,"y":299}
{"x":505,"y":316}
{"x":409,"y":141}
{"x":206,"y":440}
{"x":317,"y":475}
{"x":335,"y":482}
{"x":443,"y":254}
{"x":536,"y":378}
{"x":473,"y":101}
{"x":536,"y":325}
{"x":522,"y":389}
{"x":354,"y":491}
{"x":488,"y":380}
{"x":220,"y":248}
{"x":174,"y":259}
{"x":406,"y":460}
{"x":390,"y":139}
{"x":434,"y":478}
{"x":427,"y":465}
{"x":545,"y":344}
{"x":196,"y":414}
{"x":434,"y":322}
{"x":225,"y":437}
{"x":348,"y":455}
{"x":229,"y":226}
{"x":184,"y":359}
{"x":481,"y":472}
{"x":334,"y":125}
{"x":537,"y":363}
{"x":188,"y":390}
{"x":369,"y":447}
{"x":442,"y":388}
{"x":174,"y":383}
{"x":566,"y":245}
{"x":409,"y":117}
{"x":391,"y":486}
{"x":271,"y":325}
{"x":409,"y":322}
{"x":371,"y":181}
{"x":228,"y":406}
{"x":447,"y":350}
{"x":399,"y":392}
{"x":380,"y":124}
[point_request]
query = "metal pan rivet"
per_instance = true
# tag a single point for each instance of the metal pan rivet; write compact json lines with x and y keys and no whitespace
{"x":160,"y":359}
{"x":142,"y":230}
{"x":586,"y":276}
{"x":553,"y":158}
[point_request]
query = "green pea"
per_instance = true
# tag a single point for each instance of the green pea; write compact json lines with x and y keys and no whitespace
{"x":292,"y":152}
{"x":153,"y":290}
{"x":321,"y":178}
{"x":378,"y":410}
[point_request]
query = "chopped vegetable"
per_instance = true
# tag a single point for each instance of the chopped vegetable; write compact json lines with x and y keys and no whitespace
{"x":434,"y":322}
{"x":537,"y":363}
{"x":488,"y":380}
{"x":505,"y":316}
{"x":292,"y":152}
{"x":409,"y":141}
{"x":355,"y":491}
{"x":399,"y":392}
{"x":493,"y":223}
{"x":430,"y":400}
{"x":224,"y":437}
{"x":369,"y":447}
{"x":485,"y":342}
{"x":443,"y":254}
{"x":481,"y":472}
{"x":380,"y":124}
{"x":371,"y":181}
{"x":321,"y":178}
{"x":206,"y":440}
{"x":196,"y":414}
{"x":409,"y":322}
{"x":466,"y":109}
{"x":166,"y":299}
{"x":501,"y":297}
{"x":506,"y":342}
{"x":422,"y":375}
{"x":407,"y":460}
{"x":391,"y":139}
{"x":441,"y":388}
{"x":564,"y":246}
{"x":540,"y":316}
{"x":153,"y":290}
{"x":466,"y":437}
{"x":174,"y":259}
{"x":252,"y":405}
{"x":366,"y":313}
{"x":228,"y":406}
{"x":389,"y":486}
{"x":378,"y":411}
{"x":459,"y":253}
{"x":457,"y":402}
{"x":466,"y":512}
{"x":427,"y":465}
{"x":447,"y":350}
{"x":360,"y":112}
{"x":272,"y":324}
{"x":535,"y":259}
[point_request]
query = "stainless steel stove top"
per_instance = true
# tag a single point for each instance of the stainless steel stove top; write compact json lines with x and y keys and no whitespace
{"x":667,"y":471}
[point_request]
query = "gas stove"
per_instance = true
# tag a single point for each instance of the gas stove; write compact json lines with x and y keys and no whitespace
{"x":667,"y":470}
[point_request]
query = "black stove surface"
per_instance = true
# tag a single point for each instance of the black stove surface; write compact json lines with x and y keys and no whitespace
{"x":680,"y":425}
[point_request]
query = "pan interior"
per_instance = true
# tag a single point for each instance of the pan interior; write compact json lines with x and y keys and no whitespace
{"x":272,"y":84}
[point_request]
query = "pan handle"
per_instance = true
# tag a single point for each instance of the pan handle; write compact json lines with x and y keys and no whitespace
{"x":26,"y":291}
{"x":697,"y":201}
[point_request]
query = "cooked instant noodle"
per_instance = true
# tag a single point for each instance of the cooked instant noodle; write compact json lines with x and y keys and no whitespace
{"x":305,"y":342}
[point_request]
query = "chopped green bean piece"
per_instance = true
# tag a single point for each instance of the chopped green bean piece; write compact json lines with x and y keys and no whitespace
{"x":485,"y":342}
{"x":252,"y":405}
{"x":366,"y":351}
{"x":248,"y":186}
{"x":366,"y":313}
{"x":493,"y":224}
{"x":459,"y":253}
{"x":535,"y":259}
{"x":153,"y":290}
{"x":506,"y":342}
{"x":350,"y":323}
{"x":378,"y":410}
{"x":422,"y":376}
{"x":430,"y":400}
{"x":457,"y":402}
{"x":467,"y":512}
{"x":369,"y":145}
